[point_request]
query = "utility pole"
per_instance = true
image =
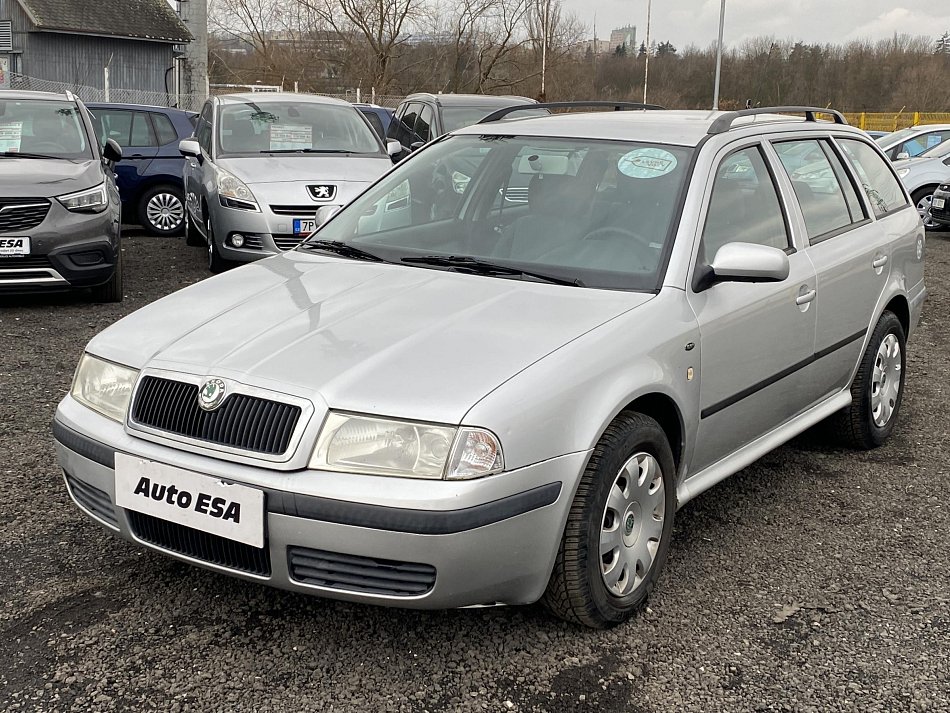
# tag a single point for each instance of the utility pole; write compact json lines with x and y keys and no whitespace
{"x":544,"y":45}
{"x":722,"y":19}
{"x":646,"y":65}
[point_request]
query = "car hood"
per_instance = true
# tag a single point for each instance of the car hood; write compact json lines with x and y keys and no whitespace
{"x":291,"y":169}
{"x":375,"y":338}
{"x":35,"y":177}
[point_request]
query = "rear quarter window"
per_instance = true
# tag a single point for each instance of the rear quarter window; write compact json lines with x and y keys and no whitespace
{"x":881,"y":186}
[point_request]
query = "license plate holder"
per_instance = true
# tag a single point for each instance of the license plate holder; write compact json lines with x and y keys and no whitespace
{"x":15,"y":246}
{"x":939,"y":203}
{"x":202,"y":502}
{"x":304,"y":226}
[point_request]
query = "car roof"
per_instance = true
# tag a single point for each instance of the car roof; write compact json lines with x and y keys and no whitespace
{"x":16,"y":94}
{"x":665,"y":126}
{"x":492,"y":100}
{"x":133,"y":107}
{"x":248,"y":97}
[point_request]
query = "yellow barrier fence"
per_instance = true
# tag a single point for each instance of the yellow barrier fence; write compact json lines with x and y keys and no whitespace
{"x":895,"y":121}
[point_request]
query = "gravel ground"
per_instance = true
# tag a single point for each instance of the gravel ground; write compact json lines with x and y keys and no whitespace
{"x":814,"y":580}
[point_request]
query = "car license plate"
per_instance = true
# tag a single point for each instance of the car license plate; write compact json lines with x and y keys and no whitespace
{"x":191,"y":499}
{"x":938,"y":203}
{"x":304,"y":226}
{"x":14,"y":247}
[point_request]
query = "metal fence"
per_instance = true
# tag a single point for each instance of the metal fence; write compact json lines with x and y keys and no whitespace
{"x":895,"y":121}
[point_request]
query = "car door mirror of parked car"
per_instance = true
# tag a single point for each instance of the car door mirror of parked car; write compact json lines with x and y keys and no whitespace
{"x":748,"y":262}
{"x":393,"y":147}
{"x":902,"y":155}
{"x":111,"y":151}
{"x":415,"y":145}
{"x":189,"y":148}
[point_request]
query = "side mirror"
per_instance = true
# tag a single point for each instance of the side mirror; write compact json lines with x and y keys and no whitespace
{"x":189,"y":148}
{"x":748,"y":262}
{"x":393,"y":147}
{"x":902,"y":155}
{"x":111,"y":151}
{"x":416,"y":145}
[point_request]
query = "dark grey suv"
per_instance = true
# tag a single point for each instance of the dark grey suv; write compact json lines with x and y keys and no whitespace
{"x":59,"y":206}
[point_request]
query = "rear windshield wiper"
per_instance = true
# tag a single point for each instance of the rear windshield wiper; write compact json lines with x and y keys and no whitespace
{"x":340,"y":248}
{"x":484,"y":267}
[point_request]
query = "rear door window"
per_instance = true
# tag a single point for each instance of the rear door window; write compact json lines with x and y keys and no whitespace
{"x":164,"y":129}
{"x":877,"y":179}
{"x":827,"y":198}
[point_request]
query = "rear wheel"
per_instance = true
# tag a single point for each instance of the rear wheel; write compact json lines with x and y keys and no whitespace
{"x":619,"y":527}
{"x":922,"y":198}
{"x":878,"y":388}
{"x":111,"y":291}
{"x":161,"y":210}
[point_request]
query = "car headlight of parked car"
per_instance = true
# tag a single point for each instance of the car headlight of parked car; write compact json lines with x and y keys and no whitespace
{"x":354,"y":443}
{"x":104,"y":386}
{"x":901,"y":172}
{"x":91,"y":200}
{"x":233,"y":193}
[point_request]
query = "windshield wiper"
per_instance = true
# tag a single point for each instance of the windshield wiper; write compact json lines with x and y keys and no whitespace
{"x":21,"y":154}
{"x":306,"y":151}
{"x":340,"y":248}
{"x":484,"y":267}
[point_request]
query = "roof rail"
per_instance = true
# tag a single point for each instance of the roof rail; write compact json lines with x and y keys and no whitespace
{"x":70,"y":96}
{"x":616,"y":106}
{"x":724,"y":122}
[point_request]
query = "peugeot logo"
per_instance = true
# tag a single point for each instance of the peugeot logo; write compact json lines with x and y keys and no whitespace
{"x":211,"y":394}
{"x":323,"y":192}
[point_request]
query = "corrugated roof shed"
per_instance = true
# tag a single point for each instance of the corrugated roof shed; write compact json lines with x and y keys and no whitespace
{"x":141,"y":19}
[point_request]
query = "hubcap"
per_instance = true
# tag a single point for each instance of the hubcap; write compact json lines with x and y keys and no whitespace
{"x":164,"y":211}
{"x":923,"y":206}
{"x":632,"y":524}
{"x":886,"y":380}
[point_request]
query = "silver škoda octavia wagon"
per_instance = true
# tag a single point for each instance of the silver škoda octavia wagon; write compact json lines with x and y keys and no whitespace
{"x":496,"y":374}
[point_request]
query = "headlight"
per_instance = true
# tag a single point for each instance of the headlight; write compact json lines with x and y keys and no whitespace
{"x":91,"y":200}
{"x":901,"y":172}
{"x":233,"y":193}
{"x":380,"y":446}
{"x":103,"y":386}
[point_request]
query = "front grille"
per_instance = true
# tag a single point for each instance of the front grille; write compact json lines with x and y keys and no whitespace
{"x":22,"y":213}
{"x":199,"y":545}
{"x":25,"y":262}
{"x":242,"y":421}
{"x":352,"y":573}
{"x":288,"y":242}
{"x":94,"y":500}
{"x":301,"y":211}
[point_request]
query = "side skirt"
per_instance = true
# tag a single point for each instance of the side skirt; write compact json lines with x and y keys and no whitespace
{"x":720,"y":470}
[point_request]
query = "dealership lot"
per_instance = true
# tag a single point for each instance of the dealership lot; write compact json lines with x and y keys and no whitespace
{"x":815,"y":579}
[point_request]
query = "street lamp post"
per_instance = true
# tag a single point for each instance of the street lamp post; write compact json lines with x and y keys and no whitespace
{"x":722,"y":19}
{"x":544,"y":44}
{"x":646,"y":64}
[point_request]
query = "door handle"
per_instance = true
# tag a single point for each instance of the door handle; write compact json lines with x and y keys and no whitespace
{"x":805,"y":297}
{"x":879,"y":262}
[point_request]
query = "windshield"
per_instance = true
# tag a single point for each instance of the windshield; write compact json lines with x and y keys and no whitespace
{"x":895,"y":137}
{"x":596,"y":213}
{"x":43,"y":127}
{"x":456,"y":117}
{"x":293,"y":127}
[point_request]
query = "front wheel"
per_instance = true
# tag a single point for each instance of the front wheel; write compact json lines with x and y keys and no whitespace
{"x":619,"y":527}
{"x":216,"y":263}
{"x":111,"y":291}
{"x":877,"y":389}
{"x":922,"y":198}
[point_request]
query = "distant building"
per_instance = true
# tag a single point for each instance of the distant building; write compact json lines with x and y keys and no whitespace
{"x":625,"y":36}
{"x":594,"y":46}
{"x":73,"y":41}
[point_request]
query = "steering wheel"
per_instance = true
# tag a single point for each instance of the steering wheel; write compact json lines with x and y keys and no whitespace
{"x":613,"y":230}
{"x":46,"y":146}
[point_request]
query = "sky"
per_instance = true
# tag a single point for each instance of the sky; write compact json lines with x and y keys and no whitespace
{"x":685,"y":22}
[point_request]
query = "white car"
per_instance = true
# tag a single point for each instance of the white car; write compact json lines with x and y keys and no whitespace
{"x":922,"y":175}
{"x":913,"y":141}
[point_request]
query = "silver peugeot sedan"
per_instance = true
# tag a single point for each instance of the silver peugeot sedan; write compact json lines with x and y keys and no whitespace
{"x":264,"y":170}
{"x":445,"y":398}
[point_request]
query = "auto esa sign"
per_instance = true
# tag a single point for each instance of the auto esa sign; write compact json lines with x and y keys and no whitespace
{"x":11,"y":247}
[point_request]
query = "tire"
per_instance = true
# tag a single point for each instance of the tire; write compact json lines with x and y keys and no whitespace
{"x":216,"y":263}
{"x":192,"y":237}
{"x":111,"y":291}
{"x":860,"y":425}
{"x":578,"y":590}
{"x":161,"y":210}
{"x":922,"y":198}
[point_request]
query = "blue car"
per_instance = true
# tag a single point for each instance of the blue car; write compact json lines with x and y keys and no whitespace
{"x":149,"y":175}
{"x":379,"y":117}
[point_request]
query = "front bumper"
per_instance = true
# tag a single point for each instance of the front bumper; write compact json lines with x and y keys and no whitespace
{"x":941,"y":216}
{"x":480,"y":542}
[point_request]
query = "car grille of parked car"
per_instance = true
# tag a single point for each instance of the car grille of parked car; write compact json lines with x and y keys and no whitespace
{"x":241,"y":421}
{"x":287,"y":242}
{"x":942,"y":213}
{"x":22,"y":213}
{"x":352,"y":573}
{"x":300,"y":211}
{"x":199,"y":545}
{"x":94,"y":500}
